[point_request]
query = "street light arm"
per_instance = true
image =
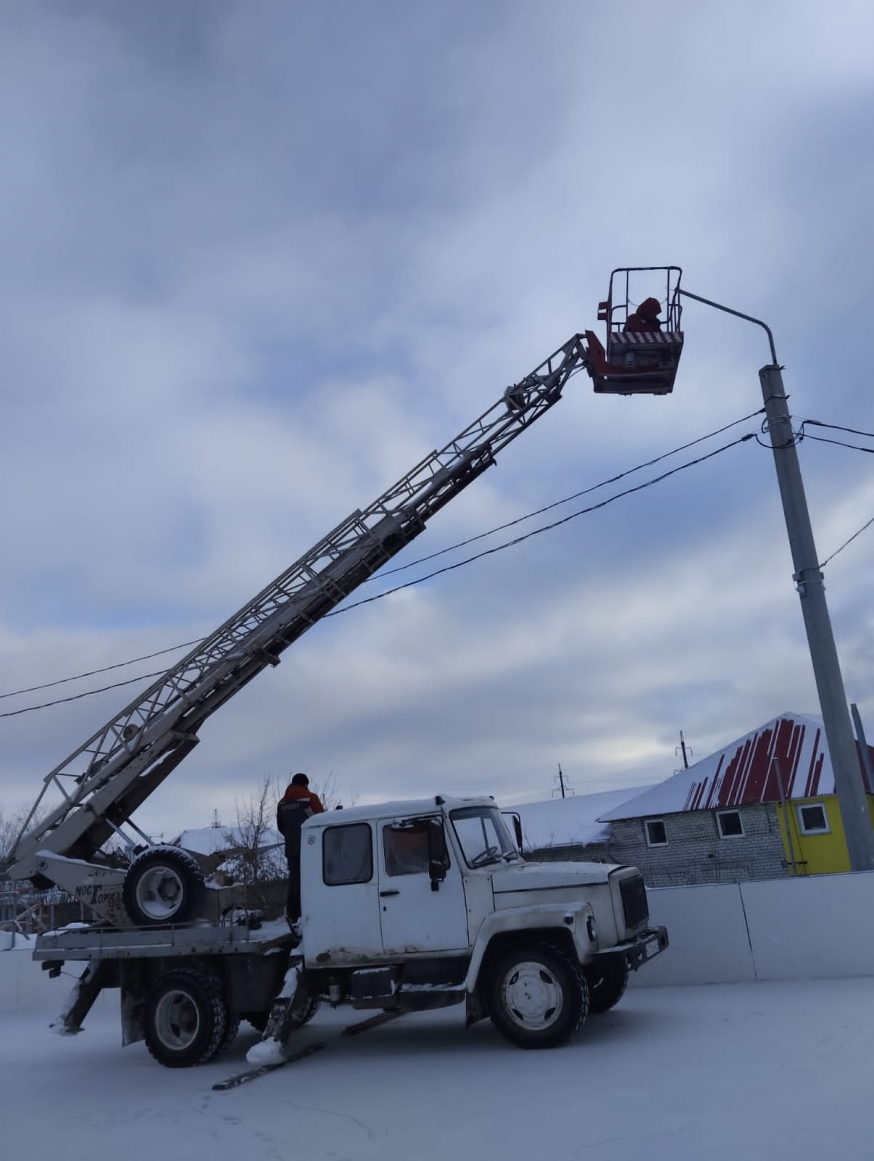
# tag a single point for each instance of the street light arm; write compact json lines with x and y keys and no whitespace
{"x":737,"y":314}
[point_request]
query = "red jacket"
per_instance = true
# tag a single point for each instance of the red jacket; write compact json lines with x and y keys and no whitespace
{"x":297,"y":793}
{"x":646,"y":317}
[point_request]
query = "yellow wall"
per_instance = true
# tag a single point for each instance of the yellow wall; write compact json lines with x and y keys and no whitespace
{"x":817,"y":854}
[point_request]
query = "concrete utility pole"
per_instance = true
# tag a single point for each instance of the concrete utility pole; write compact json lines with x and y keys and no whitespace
{"x":811,"y":590}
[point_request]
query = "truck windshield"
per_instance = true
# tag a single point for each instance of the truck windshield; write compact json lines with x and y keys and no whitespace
{"x":483,"y":836}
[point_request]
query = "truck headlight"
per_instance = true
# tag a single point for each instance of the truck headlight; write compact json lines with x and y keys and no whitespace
{"x":591,"y":930}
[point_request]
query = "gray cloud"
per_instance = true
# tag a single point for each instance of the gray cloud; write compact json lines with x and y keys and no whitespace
{"x":261,"y":258}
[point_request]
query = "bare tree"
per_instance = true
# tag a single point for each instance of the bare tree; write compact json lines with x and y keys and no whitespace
{"x":257,"y":853}
{"x":11,"y":823}
{"x":328,"y":790}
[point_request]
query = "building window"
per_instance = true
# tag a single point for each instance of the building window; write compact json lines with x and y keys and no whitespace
{"x":729,"y":824}
{"x":347,"y":854}
{"x":812,"y":818}
{"x":655,"y":833}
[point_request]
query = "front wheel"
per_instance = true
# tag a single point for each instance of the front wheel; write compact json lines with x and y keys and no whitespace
{"x":186,"y":1018}
{"x":607,"y":976}
{"x":538,"y":996}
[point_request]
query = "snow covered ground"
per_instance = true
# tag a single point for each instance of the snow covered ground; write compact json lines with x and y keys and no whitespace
{"x":767,"y":1070}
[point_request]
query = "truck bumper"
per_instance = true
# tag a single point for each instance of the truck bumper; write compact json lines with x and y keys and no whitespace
{"x":640,"y":950}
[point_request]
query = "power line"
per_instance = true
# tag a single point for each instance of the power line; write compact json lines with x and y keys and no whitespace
{"x":75,"y":697}
{"x":544,"y":527}
{"x":104,"y":669}
{"x":846,"y":542}
{"x":837,"y":442}
{"x":567,"y":499}
{"x":436,"y":572}
{"x":401,"y":568}
{"x":837,"y":427}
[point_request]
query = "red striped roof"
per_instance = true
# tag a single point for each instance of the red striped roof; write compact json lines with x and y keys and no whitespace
{"x":745,"y":772}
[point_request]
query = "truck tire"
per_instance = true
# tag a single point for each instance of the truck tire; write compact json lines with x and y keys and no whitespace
{"x":302,"y":1013}
{"x":607,"y":977}
{"x":163,"y":885}
{"x":283,"y":1019}
{"x":186,"y":1018}
{"x":538,"y":997}
{"x":232,"y":1027}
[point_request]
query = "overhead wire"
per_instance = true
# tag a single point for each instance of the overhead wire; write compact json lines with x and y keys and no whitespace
{"x":567,"y":499}
{"x":867,"y":524}
{"x":75,"y":697}
{"x":427,"y":576}
{"x":838,"y":427}
{"x":103,"y":669}
{"x":543,"y":528}
{"x":839,"y":443}
{"x":836,"y":442}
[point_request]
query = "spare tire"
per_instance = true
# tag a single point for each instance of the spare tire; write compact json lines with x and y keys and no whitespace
{"x":163,"y":885}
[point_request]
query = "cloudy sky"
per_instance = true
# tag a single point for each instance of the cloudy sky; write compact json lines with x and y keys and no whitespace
{"x":259,"y":258}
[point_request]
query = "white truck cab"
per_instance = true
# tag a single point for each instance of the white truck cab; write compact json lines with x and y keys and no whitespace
{"x":429,"y":902}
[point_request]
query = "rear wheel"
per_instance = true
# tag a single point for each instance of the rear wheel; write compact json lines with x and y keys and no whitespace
{"x":538,"y":996}
{"x":232,"y":1027}
{"x":607,"y":977}
{"x":186,"y":1018}
{"x":162,"y":885}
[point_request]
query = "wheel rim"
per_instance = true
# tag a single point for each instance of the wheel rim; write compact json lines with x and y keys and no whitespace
{"x":532,"y":996}
{"x":177,"y":1020}
{"x":160,"y":892}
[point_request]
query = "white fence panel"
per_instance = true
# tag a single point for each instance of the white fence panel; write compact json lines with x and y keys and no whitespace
{"x":708,"y":935}
{"x":814,"y":928}
{"x":25,"y":987}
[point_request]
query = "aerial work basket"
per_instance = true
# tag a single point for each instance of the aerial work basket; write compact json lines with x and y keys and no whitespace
{"x":644,"y":341}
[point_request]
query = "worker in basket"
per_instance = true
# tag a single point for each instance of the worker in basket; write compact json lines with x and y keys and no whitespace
{"x":297,"y":805}
{"x":646,"y":317}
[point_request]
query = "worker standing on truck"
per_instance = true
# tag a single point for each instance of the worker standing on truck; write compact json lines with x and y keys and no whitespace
{"x":297,"y":805}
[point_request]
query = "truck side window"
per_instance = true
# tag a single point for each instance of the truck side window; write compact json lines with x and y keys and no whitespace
{"x":405,"y":849}
{"x":347,"y":854}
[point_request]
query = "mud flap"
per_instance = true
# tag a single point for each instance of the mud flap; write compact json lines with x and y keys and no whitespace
{"x":99,"y":974}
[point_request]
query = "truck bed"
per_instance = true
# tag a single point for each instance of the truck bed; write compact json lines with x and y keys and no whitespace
{"x":100,"y":942}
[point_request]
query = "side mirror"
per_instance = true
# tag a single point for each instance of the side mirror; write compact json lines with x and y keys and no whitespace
{"x":517,"y":826}
{"x":438,"y":856}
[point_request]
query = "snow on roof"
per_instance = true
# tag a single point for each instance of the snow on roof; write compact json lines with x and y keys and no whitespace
{"x":743,"y":773}
{"x":399,"y":808}
{"x":569,"y":821}
{"x":210,"y":840}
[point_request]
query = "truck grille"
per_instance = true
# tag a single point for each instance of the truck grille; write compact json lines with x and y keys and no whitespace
{"x":634,"y":903}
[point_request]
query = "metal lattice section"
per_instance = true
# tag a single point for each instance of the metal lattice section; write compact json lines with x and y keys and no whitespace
{"x":115,"y":770}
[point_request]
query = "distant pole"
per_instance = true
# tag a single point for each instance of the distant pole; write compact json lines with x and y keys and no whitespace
{"x":786,"y":819}
{"x":561,"y":779}
{"x":683,"y":749}
{"x":811,"y":590}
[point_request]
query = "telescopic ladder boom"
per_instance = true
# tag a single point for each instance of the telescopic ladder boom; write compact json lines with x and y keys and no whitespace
{"x":110,"y":775}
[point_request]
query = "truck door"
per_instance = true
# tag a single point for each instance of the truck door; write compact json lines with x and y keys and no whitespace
{"x":339,"y":893}
{"x":415,"y":918}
